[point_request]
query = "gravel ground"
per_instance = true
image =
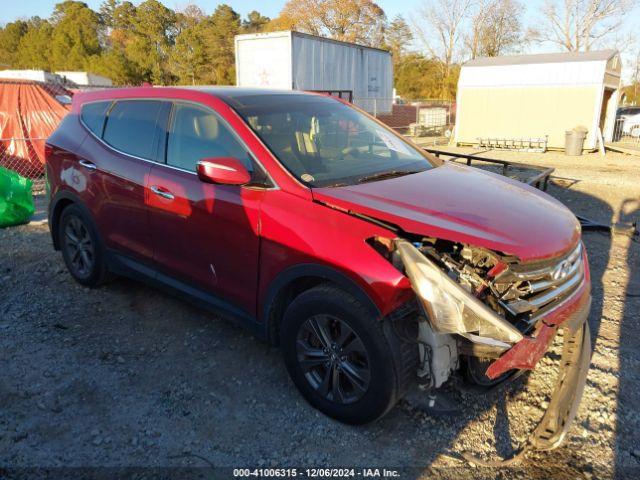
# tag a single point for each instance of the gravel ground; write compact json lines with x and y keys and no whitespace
{"x":126,"y":376}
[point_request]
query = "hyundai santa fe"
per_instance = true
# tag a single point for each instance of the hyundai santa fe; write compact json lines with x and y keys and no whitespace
{"x":373,"y":265}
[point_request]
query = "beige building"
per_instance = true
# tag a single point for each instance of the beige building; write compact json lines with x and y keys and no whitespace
{"x":537,"y":96}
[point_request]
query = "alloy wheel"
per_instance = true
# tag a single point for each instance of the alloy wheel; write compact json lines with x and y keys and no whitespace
{"x":79,"y":246}
{"x":333,"y":359}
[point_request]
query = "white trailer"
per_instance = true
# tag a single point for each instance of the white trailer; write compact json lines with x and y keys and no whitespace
{"x":86,"y":79}
{"x":298,"y":61}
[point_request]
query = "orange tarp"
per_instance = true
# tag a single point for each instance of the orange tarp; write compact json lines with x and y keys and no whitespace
{"x":29,"y":113}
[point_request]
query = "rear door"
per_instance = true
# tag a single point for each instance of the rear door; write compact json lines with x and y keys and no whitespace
{"x":128,"y":145}
{"x":205,"y":235}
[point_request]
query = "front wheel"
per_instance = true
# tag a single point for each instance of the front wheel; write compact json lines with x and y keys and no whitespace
{"x":339,"y":356}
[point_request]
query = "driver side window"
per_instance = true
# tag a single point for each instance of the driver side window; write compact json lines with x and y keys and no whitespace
{"x":198,"y":133}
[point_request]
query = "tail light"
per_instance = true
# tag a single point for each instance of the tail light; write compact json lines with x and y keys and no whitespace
{"x":48,"y":151}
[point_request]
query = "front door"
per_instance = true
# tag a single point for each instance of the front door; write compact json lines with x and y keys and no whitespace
{"x":203,"y":234}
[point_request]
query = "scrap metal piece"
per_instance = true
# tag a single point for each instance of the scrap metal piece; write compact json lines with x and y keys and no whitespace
{"x":629,"y":229}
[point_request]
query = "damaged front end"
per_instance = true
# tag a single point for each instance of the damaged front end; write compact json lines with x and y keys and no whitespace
{"x":500,"y":315}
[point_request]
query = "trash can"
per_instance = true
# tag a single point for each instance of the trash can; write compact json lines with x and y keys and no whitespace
{"x":574,"y":141}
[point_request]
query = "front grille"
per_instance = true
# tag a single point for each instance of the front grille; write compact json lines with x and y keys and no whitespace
{"x":535,"y":289}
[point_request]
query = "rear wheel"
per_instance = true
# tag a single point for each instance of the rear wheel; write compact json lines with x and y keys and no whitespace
{"x":339,"y":356}
{"x":81,"y":248}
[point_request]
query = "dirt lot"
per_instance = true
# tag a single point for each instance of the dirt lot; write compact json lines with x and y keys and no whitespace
{"x":127,"y":376}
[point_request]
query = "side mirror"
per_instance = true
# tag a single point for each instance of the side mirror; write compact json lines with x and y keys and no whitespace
{"x":223,"y":171}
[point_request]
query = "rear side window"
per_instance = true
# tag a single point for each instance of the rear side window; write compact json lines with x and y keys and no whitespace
{"x":93,"y":115}
{"x":132,"y":127}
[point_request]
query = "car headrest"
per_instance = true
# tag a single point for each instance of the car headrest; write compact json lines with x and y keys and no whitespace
{"x":206,"y":126}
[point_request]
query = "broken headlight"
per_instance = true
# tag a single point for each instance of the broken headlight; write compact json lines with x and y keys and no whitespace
{"x":449,"y":307}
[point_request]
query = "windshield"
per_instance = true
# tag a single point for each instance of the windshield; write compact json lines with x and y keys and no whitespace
{"x":324,"y":143}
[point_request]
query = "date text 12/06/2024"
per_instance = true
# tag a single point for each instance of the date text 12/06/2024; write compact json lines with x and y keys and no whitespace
{"x":316,"y":472}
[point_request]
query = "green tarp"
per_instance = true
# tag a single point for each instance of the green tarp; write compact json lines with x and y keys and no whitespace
{"x":16,"y":201}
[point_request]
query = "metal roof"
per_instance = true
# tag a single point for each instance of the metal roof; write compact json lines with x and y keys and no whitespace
{"x":294,"y":33}
{"x":598,"y":55}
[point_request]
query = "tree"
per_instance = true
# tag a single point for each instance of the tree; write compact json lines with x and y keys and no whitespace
{"x":189,"y":16}
{"x":34,"y":49}
{"x":440,"y":25}
{"x":281,"y":22}
{"x":632,"y":91}
{"x":359,"y":21}
{"x":120,"y":22}
{"x":75,"y":35}
{"x":154,"y":29}
{"x":108,"y":11}
{"x":116,"y":35}
{"x":255,"y":22}
{"x":415,"y":76}
{"x":495,"y":28}
{"x":219,"y":32}
{"x":188,"y":59}
{"x":398,"y":36}
{"x":580,"y":25}
{"x":10,"y":37}
{"x":114,"y":64}
{"x":123,"y":16}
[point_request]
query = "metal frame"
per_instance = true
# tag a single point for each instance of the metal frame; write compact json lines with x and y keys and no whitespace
{"x":539,"y":175}
{"x":342,"y":94}
{"x":517,"y":144}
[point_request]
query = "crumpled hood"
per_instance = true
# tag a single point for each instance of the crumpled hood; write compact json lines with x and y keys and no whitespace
{"x":467,"y":205}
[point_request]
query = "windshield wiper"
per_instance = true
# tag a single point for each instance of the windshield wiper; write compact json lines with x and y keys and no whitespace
{"x":338,"y":184}
{"x":384,"y":175}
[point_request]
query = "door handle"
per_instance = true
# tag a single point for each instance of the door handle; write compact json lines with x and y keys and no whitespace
{"x":163,"y":193}
{"x":87,"y":164}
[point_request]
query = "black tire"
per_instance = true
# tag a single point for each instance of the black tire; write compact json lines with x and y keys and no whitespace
{"x":476,"y":372}
{"x":74,"y":222}
{"x":339,"y":312}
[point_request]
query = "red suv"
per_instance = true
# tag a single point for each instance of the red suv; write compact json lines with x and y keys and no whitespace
{"x":372,"y":264}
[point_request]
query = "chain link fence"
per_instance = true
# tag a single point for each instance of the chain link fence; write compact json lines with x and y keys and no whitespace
{"x":626,"y":131}
{"x":25,"y":156}
{"x":426,"y":121}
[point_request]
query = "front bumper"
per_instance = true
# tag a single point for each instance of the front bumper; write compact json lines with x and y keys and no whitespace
{"x":572,"y":376}
{"x":571,"y":318}
{"x":525,"y":354}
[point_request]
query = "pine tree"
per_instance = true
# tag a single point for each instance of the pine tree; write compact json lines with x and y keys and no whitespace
{"x":219,"y":32}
